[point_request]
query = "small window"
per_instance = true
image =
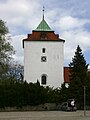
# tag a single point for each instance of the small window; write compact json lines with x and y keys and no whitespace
{"x":43,"y":50}
{"x":43,"y":79}
{"x":43,"y":36}
{"x":43,"y":59}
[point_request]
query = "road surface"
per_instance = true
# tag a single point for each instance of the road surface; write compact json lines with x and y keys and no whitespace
{"x":45,"y":115}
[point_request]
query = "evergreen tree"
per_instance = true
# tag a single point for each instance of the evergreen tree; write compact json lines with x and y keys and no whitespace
{"x":78,"y":67}
{"x":78,"y":75}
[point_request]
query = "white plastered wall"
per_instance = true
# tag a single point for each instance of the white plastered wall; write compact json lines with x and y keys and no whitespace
{"x":53,"y":67}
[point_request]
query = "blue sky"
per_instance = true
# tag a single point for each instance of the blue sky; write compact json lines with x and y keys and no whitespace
{"x":68,"y":18}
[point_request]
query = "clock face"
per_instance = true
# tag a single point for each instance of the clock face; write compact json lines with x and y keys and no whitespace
{"x":43,"y":58}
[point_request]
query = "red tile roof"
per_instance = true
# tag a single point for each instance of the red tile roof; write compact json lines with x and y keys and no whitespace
{"x":66,"y":75}
{"x":39,"y":36}
{"x":43,"y":36}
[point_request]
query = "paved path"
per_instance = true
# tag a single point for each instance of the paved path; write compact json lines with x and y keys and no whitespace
{"x":45,"y":115}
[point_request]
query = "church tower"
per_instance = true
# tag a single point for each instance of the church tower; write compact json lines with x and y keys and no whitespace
{"x":44,"y":56}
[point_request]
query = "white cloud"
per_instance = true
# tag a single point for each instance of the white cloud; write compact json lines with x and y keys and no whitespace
{"x":22,"y":16}
{"x":18,"y":46}
{"x":73,"y":31}
{"x":19,"y":13}
{"x":74,"y":38}
{"x":70,"y":23}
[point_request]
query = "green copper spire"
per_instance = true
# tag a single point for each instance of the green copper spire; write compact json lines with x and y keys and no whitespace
{"x":43,"y":26}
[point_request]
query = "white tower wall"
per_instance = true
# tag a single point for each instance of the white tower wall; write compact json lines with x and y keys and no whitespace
{"x":34,"y":68}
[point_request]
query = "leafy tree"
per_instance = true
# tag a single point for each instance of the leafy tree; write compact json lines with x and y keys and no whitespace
{"x":64,"y":92}
{"x":15,"y":72}
{"x":6,"y":50}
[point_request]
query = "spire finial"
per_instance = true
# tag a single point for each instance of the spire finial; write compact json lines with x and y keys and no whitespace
{"x":43,"y":12}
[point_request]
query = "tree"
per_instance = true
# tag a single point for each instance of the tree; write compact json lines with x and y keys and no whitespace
{"x":15,"y":72}
{"x":78,"y":75}
{"x":6,"y":50}
{"x":78,"y":67}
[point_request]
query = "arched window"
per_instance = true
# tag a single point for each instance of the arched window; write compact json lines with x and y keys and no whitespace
{"x":44,"y":79}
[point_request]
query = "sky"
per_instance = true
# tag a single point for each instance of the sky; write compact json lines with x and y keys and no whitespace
{"x":68,"y":18}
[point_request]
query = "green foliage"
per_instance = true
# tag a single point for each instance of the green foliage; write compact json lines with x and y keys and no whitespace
{"x":6,"y":50}
{"x":3,"y":28}
{"x":78,"y":67}
{"x":78,"y":76}
{"x":64,"y":92}
{"x":23,"y":94}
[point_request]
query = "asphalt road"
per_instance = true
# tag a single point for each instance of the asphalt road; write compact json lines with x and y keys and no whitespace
{"x":45,"y":115}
